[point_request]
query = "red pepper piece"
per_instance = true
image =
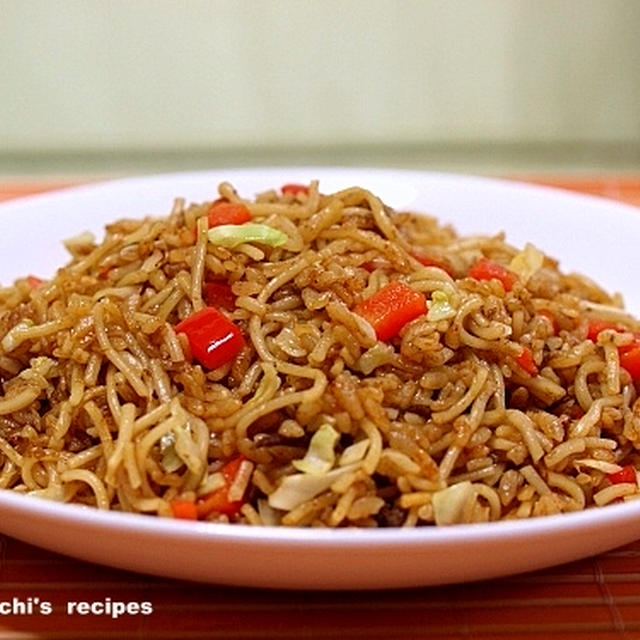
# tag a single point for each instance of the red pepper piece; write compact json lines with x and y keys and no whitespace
{"x":626,"y":474}
{"x":214,"y":340}
{"x":629,"y":354}
{"x":595,"y":326}
{"x":630,"y":358}
{"x":294,"y":189}
{"x":223,"y":212}
{"x":390,"y":308}
{"x":184,"y":509}
{"x":218,"y":294}
{"x":525,"y":360}
{"x":218,"y":500}
{"x":486,"y":269}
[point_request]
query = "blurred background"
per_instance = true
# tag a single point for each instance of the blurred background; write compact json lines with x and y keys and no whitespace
{"x":103,"y":87}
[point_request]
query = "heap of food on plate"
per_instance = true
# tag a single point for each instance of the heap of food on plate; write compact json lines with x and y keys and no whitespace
{"x":306,"y":359}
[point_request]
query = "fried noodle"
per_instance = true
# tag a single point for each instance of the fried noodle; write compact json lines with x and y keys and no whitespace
{"x":104,"y":404}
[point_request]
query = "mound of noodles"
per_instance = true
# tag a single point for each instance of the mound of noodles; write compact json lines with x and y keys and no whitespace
{"x":506,"y":397}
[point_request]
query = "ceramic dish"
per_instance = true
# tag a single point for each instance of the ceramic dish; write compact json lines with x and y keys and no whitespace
{"x":587,"y":234}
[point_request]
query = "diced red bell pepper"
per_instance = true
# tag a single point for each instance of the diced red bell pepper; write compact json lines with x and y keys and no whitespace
{"x":485,"y":269}
{"x":390,"y":308}
{"x":224,"y":212}
{"x":629,"y":354}
{"x":214,"y":340}
{"x":184,"y":509}
{"x":595,"y":326}
{"x":34,"y":282}
{"x":218,"y":500}
{"x":104,"y":272}
{"x":626,"y":474}
{"x":294,"y":189}
{"x":219,"y":295}
{"x":525,"y":360}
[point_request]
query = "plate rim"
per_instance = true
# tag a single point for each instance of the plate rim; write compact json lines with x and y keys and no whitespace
{"x":519,"y":182}
{"x":369,"y":540}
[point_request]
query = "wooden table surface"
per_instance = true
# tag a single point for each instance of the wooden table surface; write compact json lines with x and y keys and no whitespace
{"x":596,"y":598}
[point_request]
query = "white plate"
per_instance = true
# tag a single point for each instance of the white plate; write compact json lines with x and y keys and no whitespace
{"x":591,"y":235}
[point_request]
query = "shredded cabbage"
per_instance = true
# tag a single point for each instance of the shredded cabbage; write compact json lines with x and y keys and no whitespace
{"x":233,"y":235}
{"x":449,"y":504}
{"x":211,"y":482}
{"x":170,"y":461}
{"x":300,"y":487}
{"x":187,"y":449}
{"x":600,"y":465}
{"x":82,"y":239}
{"x":355,"y":452}
{"x":269,"y":516}
{"x":178,"y":448}
{"x":54,"y":492}
{"x":320,"y":455}
{"x":439,"y":307}
{"x":527,"y":262}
